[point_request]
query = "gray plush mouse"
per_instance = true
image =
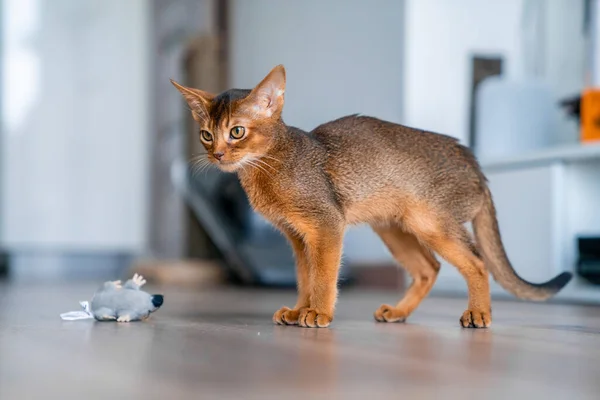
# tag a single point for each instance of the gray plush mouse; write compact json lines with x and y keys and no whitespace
{"x":124,"y":303}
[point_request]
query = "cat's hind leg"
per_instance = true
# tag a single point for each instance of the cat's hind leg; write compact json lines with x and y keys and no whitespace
{"x":453,"y":243}
{"x":418,"y":261}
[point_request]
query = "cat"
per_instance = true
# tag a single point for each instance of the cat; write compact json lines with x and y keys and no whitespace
{"x":416,"y":189}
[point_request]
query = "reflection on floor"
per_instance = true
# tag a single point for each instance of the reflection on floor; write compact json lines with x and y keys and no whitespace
{"x":222,"y":344}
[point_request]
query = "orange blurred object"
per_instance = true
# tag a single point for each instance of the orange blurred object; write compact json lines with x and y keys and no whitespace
{"x":590,"y":115}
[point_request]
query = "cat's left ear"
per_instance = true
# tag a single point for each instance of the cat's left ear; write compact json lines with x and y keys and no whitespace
{"x":197,"y":99}
{"x":268,"y":96}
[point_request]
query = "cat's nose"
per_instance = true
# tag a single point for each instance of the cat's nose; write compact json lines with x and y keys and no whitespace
{"x":218,"y":155}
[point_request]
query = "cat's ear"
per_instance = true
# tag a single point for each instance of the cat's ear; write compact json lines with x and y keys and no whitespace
{"x":197,"y":99}
{"x":268,"y":96}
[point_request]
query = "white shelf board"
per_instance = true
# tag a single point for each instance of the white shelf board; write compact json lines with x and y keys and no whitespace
{"x":568,"y":153}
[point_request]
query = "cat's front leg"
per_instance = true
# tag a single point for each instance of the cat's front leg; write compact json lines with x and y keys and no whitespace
{"x":324,"y":252}
{"x":286,"y":315}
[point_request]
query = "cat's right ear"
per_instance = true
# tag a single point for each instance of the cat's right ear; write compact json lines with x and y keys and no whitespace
{"x":268,"y":96}
{"x":197,"y":99}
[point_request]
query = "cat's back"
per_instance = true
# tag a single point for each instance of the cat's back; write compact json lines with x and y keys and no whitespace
{"x":366,"y":154}
{"x":369,"y":135}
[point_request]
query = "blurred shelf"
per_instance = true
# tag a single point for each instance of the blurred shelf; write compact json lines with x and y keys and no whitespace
{"x":567,"y":153}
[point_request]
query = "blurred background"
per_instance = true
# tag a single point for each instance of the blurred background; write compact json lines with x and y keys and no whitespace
{"x":95,"y":143}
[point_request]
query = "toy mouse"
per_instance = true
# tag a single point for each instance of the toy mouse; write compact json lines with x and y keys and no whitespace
{"x":124,"y":303}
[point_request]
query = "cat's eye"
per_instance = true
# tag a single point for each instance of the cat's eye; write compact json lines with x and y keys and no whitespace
{"x":237,"y":132}
{"x":206,"y":136}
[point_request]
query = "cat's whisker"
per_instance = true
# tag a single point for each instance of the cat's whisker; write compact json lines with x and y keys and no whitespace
{"x":253,"y":167}
{"x":198,"y":158}
{"x":259,"y":157}
{"x":266,"y":164}
{"x":203,"y":161}
{"x":195,"y":169}
{"x":251,"y":162}
{"x":199,"y":166}
{"x":205,"y":169}
{"x":272,"y":158}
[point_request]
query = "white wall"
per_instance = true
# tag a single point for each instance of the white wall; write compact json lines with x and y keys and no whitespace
{"x":75,"y":125}
{"x":342,"y":57}
{"x":441,"y":35}
{"x":594,"y":46}
{"x":564,"y":59}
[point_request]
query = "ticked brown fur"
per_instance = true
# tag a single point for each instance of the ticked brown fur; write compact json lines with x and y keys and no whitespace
{"x":416,"y":189}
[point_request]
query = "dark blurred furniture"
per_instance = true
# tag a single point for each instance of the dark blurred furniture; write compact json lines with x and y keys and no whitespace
{"x":3,"y":265}
{"x":588,"y":264}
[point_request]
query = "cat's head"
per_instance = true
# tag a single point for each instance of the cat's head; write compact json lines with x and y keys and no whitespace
{"x":238,"y":126}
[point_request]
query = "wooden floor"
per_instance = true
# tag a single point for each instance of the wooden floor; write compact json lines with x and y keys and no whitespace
{"x":220,"y":345}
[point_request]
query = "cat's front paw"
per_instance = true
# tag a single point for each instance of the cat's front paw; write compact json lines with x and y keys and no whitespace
{"x":286,"y":316}
{"x":311,"y":318}
{"x":387,"y":313}
{"x":476,"y":319}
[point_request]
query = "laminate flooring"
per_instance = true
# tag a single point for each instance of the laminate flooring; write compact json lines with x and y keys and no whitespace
{"x":221,"y":344}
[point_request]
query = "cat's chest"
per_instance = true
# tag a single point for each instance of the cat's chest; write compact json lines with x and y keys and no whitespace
{"x":271,"y":199}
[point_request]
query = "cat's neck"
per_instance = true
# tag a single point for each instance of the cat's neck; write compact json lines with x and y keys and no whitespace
{"x":270,"y":163}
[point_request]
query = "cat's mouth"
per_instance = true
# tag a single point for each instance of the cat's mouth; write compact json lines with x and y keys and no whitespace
{"x":233,"y":165}
{"x":228,"y":166}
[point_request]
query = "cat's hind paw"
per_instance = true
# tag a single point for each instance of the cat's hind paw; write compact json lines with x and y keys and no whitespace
{"x":476,"y":319}
{"x":387,"y":313}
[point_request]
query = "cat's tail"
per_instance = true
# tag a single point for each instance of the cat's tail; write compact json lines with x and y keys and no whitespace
{"x":488,"y":237}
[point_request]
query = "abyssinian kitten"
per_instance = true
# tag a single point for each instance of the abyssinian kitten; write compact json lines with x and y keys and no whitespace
{"x":416,"y":189}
